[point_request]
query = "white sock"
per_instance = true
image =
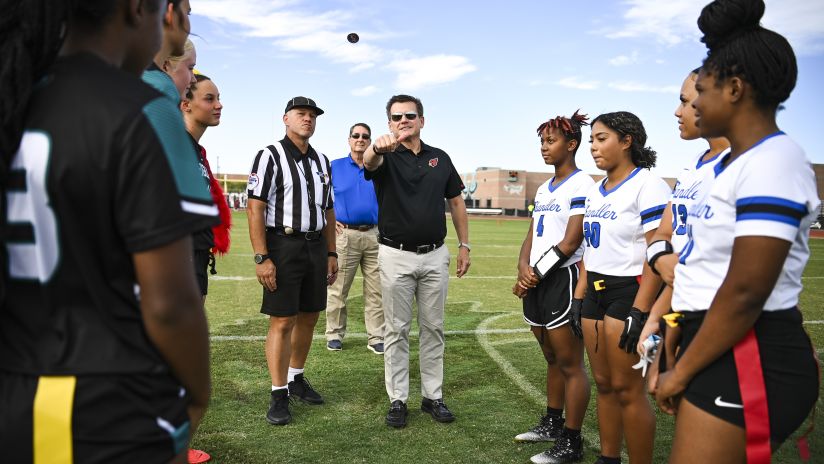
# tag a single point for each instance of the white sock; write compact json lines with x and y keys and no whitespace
{"x":293,"y":372}
{"x":279,"y":388}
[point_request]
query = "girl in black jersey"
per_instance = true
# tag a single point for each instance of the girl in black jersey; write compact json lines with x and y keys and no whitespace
{"x":103,"y":343}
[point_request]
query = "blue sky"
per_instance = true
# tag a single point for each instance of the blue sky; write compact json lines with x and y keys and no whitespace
{"x":487,"y":75}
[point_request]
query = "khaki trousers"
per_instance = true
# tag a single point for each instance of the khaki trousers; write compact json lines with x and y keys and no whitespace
{"x":355,"y":248}
{"x":404,"y":276}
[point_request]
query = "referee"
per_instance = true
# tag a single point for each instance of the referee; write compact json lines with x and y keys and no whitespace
{"x":292,"y":228}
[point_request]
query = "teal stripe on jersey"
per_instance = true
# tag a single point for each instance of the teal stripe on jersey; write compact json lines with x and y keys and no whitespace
{"x":162,"y":82}
{"x":167,"y":123}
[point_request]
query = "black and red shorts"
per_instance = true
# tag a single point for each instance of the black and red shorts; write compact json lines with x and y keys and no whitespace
{"x":788,"y":366}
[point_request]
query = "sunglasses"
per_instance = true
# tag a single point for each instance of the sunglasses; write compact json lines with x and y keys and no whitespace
{"x":357,"y":136}
{"x":398,"y":116}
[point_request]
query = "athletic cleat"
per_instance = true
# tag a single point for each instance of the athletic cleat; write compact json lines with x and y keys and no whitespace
{"x":566,"y":450}
{"x":397,"y":414}
{"x":301,"y":389}
{"x":548,"y":429}
{"x":279,"y":408}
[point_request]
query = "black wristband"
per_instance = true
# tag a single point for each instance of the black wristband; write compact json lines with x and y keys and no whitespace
{"x":332,"y":253}
{"x":656,"y":250}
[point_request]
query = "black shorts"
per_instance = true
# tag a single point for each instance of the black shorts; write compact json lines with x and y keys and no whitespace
{"x":201,"y":262}
{"x":92,"y":419}
{"x":788,"y":366}
{"x":301,"y":267}
{"x":547,"y":305}
{"x":607,"y":295}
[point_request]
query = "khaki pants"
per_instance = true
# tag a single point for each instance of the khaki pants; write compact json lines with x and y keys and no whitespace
{"x":404,"y":276}
{"x":355,"y":248}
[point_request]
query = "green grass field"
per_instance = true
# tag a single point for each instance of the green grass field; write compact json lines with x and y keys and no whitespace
{"x":493,"y":382}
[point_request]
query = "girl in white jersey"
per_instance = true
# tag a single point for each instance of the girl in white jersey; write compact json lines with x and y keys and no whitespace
{"x":622,"y":213}
{"x":692,"y":184}
{"x":746,"y":373}
{"x":547,"y":279}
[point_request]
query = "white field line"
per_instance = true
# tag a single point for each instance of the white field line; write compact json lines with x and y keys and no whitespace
{"x":359,"y":335}
{"x":538,"y":396}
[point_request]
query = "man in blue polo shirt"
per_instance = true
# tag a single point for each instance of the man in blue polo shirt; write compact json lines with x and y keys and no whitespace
{"x":356,"y":210}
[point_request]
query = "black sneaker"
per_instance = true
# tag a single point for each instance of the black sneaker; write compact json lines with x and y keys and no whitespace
{"x":279,"y":408}
{"x":301,"y":389}
{"x":397,"y":414}
{"x":437,"y":409}
{"x":566,"y":450}
{"x":548,"y":429}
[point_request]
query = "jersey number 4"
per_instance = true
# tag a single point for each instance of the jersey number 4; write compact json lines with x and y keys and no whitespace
{"x":592,"y":234}
{"x":32,"y":246}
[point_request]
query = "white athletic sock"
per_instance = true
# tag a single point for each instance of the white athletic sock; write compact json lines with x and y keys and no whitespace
{"x":293,"y":372}
{"x":279,"y":388}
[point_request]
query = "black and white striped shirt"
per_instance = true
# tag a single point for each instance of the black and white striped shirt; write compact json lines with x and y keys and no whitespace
{"x":296,"y":187}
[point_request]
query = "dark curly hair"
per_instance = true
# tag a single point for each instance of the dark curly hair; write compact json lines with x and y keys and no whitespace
{"x":628,"y":124}
{"x":569,"y":126}
{"x":738,"y":46}
{"x":190,"y":91}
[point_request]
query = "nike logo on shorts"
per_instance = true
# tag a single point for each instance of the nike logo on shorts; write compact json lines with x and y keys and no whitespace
{"x":724,"y":404}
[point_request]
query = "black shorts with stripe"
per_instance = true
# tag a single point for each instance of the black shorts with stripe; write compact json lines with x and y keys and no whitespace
{"x":788,"y":365}
{"x":608,"y":295}
{"x":92,"y":418}
{"x":301,"y":266}
{"x":547,"y":305}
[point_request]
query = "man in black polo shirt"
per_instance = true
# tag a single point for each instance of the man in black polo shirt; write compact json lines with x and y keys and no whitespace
{"x":411,"y":180}
{"x":292,"y":228}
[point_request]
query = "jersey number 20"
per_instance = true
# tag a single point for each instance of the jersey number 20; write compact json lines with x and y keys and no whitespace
{"x":592,"y":233}
{"x":29,"y":206}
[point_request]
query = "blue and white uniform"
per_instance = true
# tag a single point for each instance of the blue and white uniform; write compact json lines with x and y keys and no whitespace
{"x":616,"y":220}
{"x":690,"y":188}
{"x":767,"y":191}
{"x":547,"y":305}
{"x":554,"y":204}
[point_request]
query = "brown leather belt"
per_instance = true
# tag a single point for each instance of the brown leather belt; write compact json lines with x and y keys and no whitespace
{"x":360,"y":227}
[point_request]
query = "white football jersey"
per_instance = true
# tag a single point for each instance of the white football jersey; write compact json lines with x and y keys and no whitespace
{"x":768,"y":191}
{"x":554,"y":204}
{"x":616,"y":219}
{"x":690,"y":188}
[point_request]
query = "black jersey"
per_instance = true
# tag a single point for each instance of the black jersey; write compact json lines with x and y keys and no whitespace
{"x":104,"y":170}
{"x":202,"y":239}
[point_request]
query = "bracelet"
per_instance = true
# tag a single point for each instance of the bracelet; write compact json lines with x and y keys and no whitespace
{"x":332,"y":253}
{"x":656,"y":250}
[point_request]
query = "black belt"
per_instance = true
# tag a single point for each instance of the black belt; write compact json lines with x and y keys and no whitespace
{"x":419,"y":249}
{"x":290,"y":232}
{"x":360,"y":227}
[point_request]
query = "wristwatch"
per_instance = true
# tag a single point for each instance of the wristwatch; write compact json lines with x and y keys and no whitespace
{"x":259,"y":258}
{"x":464,"y":245}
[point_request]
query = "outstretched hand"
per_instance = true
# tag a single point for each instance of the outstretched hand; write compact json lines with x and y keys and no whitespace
{"x":388,"y":143}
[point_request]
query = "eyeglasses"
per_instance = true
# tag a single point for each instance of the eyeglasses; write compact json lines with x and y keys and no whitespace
{"x":398,"y":116}
{"x":357,"y":136}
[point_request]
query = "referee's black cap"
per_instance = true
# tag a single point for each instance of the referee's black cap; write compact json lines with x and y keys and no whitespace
{"x":302,"y":102}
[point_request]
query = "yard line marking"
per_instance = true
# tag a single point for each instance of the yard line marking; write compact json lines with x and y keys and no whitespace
{"x":537,"y":396}
{"x":256,"y":338}
{"x":814,"y":322}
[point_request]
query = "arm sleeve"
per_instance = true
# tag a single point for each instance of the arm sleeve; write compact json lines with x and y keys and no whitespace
{"x":159,"y":192}
{"x":653,"y":198}
{"x":772,"y":198}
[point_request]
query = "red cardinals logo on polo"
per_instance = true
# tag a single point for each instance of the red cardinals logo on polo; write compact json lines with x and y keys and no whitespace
{"x":433,"y":162}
